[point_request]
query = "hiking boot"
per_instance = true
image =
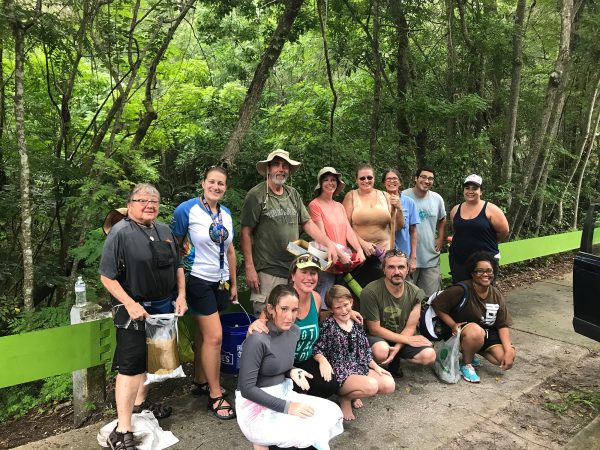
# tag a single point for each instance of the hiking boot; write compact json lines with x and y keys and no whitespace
{"x":469,"y":374}
{"x":121,"y":441}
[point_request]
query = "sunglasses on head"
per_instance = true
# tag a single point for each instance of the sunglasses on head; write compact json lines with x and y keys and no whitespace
{"x":394,"y":252}
{"x":307,"y":257}
{"x":368,"y":177}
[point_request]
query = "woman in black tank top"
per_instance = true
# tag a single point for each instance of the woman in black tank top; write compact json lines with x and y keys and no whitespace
{"x":478,"y":226}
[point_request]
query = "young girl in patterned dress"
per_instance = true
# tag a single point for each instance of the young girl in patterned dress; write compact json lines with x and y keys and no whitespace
{"x":343,"y":352}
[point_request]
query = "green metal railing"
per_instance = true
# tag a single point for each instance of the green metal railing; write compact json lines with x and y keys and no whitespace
{"x":41,"y":354}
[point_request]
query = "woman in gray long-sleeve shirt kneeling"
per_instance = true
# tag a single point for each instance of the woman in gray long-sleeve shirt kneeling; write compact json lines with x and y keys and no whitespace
{"x":269,"y":412}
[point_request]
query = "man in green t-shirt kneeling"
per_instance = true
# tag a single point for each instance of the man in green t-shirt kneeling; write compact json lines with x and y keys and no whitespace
{"x":391,"y":307}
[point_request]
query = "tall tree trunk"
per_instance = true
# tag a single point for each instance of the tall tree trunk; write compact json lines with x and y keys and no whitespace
{"x":2,"y":118}
{"x":590,"y":146}
{"x":548,"y":122}
{"x":321,"y":7}
{"x":585,"y":139}
{"x":268,"y":60}
{"x":26,"y":242}
{"x":541,"y":197}
{"x":450,"y":62}
{"x":402,"y":76}
{"x":377,"y":69}
{"x":513,"y":104}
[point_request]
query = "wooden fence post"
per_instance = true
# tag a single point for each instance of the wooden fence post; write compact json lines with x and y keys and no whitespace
{"x":89,"y":385}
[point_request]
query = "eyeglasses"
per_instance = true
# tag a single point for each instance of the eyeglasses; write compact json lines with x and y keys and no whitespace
{"x":368,"y":177}
{"x":483,"y":272}
{"x":141,"y":201}
{"x":426,"y":178}
{"x":392,"y":179}
{"x":307,"y":257}
{"x":394,"y":252}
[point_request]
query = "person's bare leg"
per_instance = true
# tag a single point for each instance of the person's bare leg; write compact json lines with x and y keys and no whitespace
{"x":494,"y":354}
{"x":471,"y":340}
{"x":385,"y":383}
{"x":199,"y":375}
{"x":259,"y":447}
{"x":210,"y":328}
{"x":355,"y":386}
{"x":425,"y":357}
{"x":127,"y":388}
{"x":142,"y":392}
{"x":381,"y":351}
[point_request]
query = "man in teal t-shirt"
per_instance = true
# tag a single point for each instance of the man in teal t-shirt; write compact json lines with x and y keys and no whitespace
{"x":391,"y":307}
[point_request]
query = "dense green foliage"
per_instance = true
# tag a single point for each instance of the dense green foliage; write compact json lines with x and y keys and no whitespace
{"x":88,"y":75}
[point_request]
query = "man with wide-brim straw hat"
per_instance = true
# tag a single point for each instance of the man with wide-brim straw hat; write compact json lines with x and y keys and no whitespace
{"x":271,"y":216}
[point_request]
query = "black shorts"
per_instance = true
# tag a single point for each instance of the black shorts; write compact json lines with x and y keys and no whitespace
{"x":406,"y":352}
{"x":130,"y":352}
{"x":204,"y":297}
{"x":491,"y":339}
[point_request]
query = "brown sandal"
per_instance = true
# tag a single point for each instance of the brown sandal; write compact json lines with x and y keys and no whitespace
{"x":220,"y":407}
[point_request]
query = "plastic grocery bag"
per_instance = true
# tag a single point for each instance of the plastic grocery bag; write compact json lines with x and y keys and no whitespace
{"x":161,"y":341}
{"x":447,"y":366}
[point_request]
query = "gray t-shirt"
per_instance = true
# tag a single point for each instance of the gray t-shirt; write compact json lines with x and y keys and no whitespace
{"x":128,"y":258}
{"x":431,"y":210}
{"x":274,"y":220}
{"x":377,"y":304}
{"x":265,"y":360}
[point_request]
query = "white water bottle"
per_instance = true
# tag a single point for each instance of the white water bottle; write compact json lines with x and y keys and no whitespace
{"x":80,"y":299}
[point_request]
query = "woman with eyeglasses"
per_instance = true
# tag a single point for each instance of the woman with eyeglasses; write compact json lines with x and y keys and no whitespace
{"x":329,"y":215}
{"x":304,"y":273}
{"x":141,"y":269}
{"x":204,"y":229}
{"x":370,"y":212}
{"x":484,"y":319}
{"x":478,"y":225}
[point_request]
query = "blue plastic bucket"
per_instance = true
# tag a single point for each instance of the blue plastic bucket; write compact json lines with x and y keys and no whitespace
{"x":235,"y":325}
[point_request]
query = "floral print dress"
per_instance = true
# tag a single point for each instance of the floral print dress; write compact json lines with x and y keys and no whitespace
{"x":348,"y":353}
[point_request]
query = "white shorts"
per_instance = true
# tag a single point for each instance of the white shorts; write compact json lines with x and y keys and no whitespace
{"x":264,"y":426}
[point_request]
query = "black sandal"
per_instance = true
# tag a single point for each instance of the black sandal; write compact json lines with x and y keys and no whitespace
{"x":220,"y":407}
{"x":159,"y":410}
{"x":202,"y":389}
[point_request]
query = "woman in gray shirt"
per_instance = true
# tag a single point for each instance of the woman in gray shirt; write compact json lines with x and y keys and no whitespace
{"x":269,"y":412}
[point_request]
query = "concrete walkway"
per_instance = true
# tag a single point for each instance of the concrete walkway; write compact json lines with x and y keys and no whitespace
{"x":423,"y":413}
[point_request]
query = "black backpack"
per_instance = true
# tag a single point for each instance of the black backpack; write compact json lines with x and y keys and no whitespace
{"x":431,"y":326}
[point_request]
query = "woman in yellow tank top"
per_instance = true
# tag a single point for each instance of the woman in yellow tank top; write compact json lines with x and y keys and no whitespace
{"x":370,"y":212}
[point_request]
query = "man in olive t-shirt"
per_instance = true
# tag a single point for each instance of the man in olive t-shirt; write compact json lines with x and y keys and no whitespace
{"x":271,"y":216}
{"x":391,"y":307}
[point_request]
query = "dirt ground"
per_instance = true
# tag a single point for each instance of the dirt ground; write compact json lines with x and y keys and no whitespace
{"x":530,"y":413}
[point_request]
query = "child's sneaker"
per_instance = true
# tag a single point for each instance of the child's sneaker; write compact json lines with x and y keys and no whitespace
{"x":469,"y":373}
{"x":476,"y":361}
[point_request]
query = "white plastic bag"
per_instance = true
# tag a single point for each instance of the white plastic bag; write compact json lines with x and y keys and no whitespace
{"x":447,"y":365}
{"x":163,"y":355}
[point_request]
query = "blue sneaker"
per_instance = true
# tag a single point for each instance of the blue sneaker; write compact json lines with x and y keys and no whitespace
{"x":469,"y":373}
{"x":476,"y":361}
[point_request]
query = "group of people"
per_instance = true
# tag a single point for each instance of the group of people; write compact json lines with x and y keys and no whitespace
{"x":308,"y":342}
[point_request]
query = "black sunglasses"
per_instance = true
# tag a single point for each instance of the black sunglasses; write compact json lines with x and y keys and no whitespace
{"x":368,"y":177}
